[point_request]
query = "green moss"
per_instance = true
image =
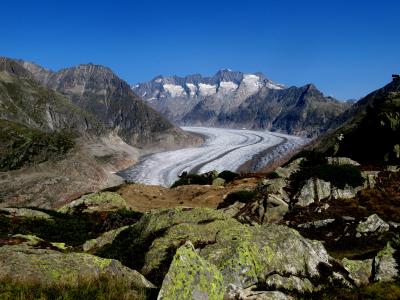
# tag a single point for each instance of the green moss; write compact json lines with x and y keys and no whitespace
{"x":191,"y":277}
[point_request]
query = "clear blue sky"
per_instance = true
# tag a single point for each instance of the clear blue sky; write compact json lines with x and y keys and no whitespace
{"x":346,"y":48}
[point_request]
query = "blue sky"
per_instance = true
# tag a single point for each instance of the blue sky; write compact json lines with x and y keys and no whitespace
{"x":346,"y":48}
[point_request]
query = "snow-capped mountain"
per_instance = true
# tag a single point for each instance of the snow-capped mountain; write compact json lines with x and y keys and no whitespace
{"x":237,"y":100}
{"x":175,"y":96}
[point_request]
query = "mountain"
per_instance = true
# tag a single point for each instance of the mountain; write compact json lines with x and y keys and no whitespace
{"x":371,"y":129}
{"x":26,"y":101}
{"x":236,"y":99}
{"x":64,"y":134}
{"x":97,"y":90}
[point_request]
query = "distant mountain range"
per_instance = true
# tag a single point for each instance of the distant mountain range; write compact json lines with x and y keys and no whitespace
{"x":237,"y":100}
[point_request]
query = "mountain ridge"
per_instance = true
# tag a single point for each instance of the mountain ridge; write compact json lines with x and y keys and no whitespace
{"x":236,"y":100}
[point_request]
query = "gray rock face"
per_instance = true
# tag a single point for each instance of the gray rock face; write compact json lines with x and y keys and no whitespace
{"x":316,"y":224}
{"x":235,"y":99}
{"x":234,"y":292}
{"x":342,"y":161}
{"x":385,"y":265}
{"x":314,"y":189}
{"x":372,"y":224}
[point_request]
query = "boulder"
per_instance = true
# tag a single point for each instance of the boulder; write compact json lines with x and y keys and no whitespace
{"x":191,"y":277}
{"x":316,"y":224}
{"x":99,"y":202}
{"x":370,"y":178}
{"x":347,"y":192}
{"x":105,"y":239}
{"x":23,"y":262}
{"x":359,"y":270}
{"x":385,"y":265}
{"x":342,"y":161}
{"x":314,"y":189}
{"x":218,"y":182}
{"x":245,"y":255}
{"x":24,"y":213}
{"x":289,"y":283}
{"x":287,"y":171}
{"x":372,"y":224}
{"x":234,"y":293}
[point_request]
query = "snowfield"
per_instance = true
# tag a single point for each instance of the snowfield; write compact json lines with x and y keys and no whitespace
{"x":224,"y":149}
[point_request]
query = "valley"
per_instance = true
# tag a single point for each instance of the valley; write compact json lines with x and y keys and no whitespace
{"x":224,"y":149}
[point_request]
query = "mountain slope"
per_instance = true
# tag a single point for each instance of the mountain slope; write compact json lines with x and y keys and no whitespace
{"x":372,"y":131}
{"x":235,"y":99}
{"x":97,"y":90}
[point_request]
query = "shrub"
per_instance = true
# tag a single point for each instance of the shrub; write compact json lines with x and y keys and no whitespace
{"x":185,"y":179}
{"x":228,"y":176}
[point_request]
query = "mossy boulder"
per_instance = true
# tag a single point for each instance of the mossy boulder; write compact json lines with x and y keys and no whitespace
{"x":24,"y":213}
{"x":99,"y":202}
{"x":385,"y":264}
{"x":191,"y":277}
{"x":245,"y":255}
{"x":359,"y":270}
{"x":49,"y":267}
{"x":104,"y":239}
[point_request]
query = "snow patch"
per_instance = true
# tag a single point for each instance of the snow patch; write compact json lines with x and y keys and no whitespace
{"x":192,"y":88}
{"x":274,"y":86}
{"x":227,"y":86}
{"x":174,"y":90}
{"x":207,"y":89}
{"x":158,"y":80}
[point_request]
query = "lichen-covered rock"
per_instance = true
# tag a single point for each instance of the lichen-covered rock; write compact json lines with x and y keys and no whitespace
{"x":316,"y":224}
{"x":104,"y":239}
{"x":289,"y":283}
{"x":191,"y":277}
{"x":24,"y":213}
{"x":314,"y":189}
{"x":342,"y":161}
{"x":370,"y":178}
{"x":49,"y":267}
{"x":372,"y":224}
{"x":234,"y":293}
{"x":347,"y":192}
{"x":359,"y":270}
{"x":33,"y":240}
{"x":245,"y":255}
{"x":385,"y":265}
{"x":103,"y":201}
{"x":287,"y":171}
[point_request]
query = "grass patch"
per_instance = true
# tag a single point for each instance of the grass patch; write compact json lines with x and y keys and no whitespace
{"x":102,"y":288}
{"x":21,"y":145}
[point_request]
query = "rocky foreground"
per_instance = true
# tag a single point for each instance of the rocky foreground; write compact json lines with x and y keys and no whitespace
{"x":284,"y":235}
